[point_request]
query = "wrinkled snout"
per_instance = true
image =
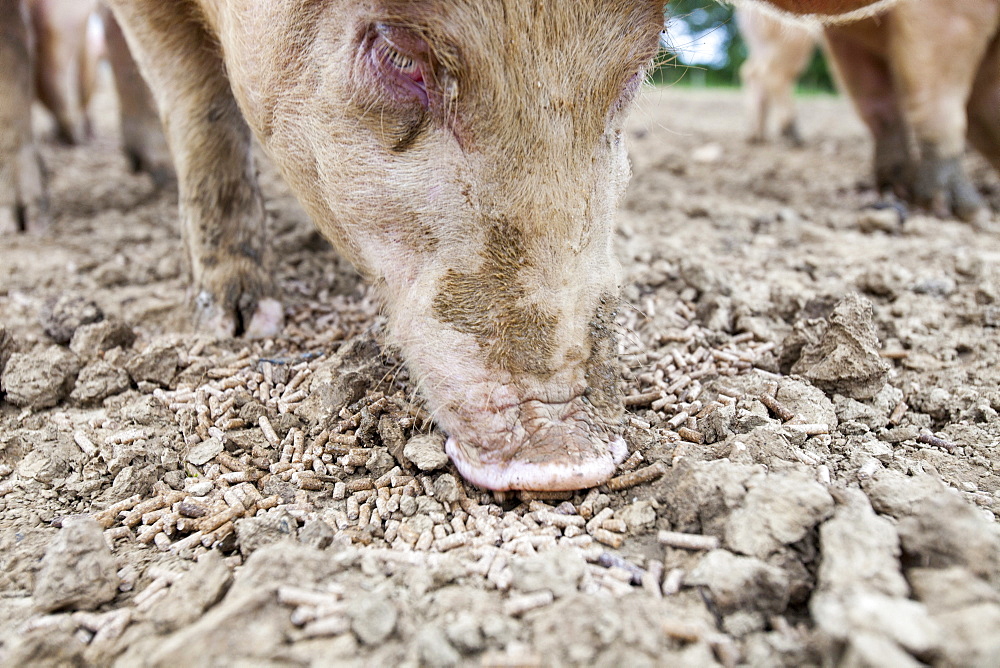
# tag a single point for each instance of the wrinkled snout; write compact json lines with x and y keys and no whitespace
{"x":518,"y":366}
{"x":535,"y":444}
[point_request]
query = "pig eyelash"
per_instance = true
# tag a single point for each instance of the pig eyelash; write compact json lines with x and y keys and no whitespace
{"x":403,"y":72}
{"x":404,"y":64}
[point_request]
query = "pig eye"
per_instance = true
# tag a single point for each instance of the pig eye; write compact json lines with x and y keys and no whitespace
{"x":397,"y":56}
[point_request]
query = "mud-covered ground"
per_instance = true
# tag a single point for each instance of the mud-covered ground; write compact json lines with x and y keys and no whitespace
{"x":814,"y":387}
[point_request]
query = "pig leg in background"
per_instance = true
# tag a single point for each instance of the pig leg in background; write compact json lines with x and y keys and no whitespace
{"x":865,"y":74}
{"x":91,"y":53}
{"x":221,"y":209}
{"x":778,"y":52}
{"x":142,"y":134}
{"x":60,"y":38}
{"x":984,"y":107}
{"x":22,"y":187}
{"x":934,"y":85}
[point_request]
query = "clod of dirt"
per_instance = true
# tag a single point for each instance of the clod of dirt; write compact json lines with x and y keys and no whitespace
{"x":90,"y":340}
{"x":950,"y":588}
{"x":201,"y":453}
{"x":221,"y":637}
{"x":78,"y":571}
{"x":741,"y":583}
{"x":558,"y":571}
{"x":39,"y":379}
{"x":806,"y":402}
{"x":860,"y":550}
{"x":845,"y":358}
{"x":156,"y":364}
{"x":317,"y":533}
{"x":254,"y":533}
{"x":191,"y":594}
{"x":851,"y":410}
{"x":62,"y":315}
{"x":967,"y":609}
{"x":435,"y":649}
{"x":777,"y":511}
{"x":971,"y":636}
{"x":447,"y":488}
{"x":392,"y":436}
{"x":699,"y":496}
{"x":889,"y":220}
{"x":718,"y":424}
{"x":373,"y":618}
{"x":426,"y":451}
{"x":991,"y":316}
{"x":935,"y":526}
{"x":343,"y":379}
{"x":639,"y":515}
{"x":99,"y":380}
{"x":53,"y":645}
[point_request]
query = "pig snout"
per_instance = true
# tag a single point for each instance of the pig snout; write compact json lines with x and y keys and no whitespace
{"x":522,"y":375}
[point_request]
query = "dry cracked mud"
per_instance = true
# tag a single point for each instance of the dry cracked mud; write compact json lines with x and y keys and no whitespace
{"x":812,"y":387}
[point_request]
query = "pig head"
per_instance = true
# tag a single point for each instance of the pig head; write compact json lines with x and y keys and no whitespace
{"x":468,"y":158}
{"x":466,"y":155}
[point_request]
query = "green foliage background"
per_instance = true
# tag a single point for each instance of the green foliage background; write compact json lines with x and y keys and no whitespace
{"x":704,"y":15}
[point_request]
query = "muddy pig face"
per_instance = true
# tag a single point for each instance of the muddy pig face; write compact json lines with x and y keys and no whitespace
{"x":468,"y":157}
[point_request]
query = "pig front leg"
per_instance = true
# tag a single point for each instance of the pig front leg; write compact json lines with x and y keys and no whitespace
{"x":984,"y":107}
{"x":864,"y":72}
{"x":933,"y":92}
{"x":142,"y":135}
{"x":22,"y":187}
{"x":60,"y":48}
{"x":778,"y":53}
{"x":221,"y":209}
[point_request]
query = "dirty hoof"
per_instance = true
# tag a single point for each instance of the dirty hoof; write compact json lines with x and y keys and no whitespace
{"x":23,"y":201}
{"x":267,"y":319}
{"x":153,"y":162}
{"x":940,"y":185}
{"x":253,"y":318}
{"x":578,"y":464}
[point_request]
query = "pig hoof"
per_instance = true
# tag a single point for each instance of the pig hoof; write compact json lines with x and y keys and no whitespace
{"x":23,"y":198}
{"x":545,"y":469}
{"x":9,"y":222}
{"x":160,"y":169}
{"x":265,"y":318}
{"x":32,"y":219}
{"x":942,"y":187}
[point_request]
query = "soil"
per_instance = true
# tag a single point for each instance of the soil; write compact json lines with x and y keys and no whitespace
{"x":813,"y":395}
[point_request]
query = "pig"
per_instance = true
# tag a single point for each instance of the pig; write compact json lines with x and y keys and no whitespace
{"x":72,"y":37}
{"x":66,"y":56}
{"x":23,"y":201}
{"x":925,"y":76}
{"x":466,"y":156}
{"x":143,"y":140}
{"x":777,"y":54}
{"x":51,"y":49}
